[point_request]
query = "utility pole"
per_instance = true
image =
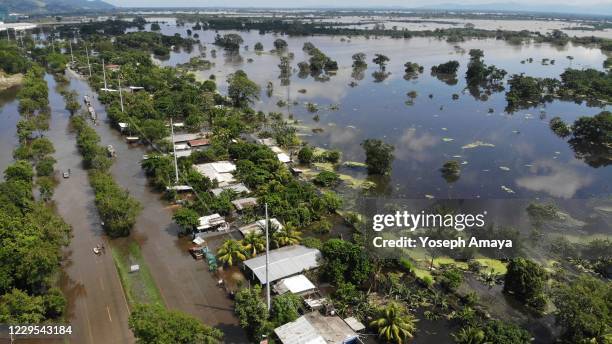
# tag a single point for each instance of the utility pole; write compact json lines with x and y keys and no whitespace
{"x":88,"y":64}
{"x":71,"y":55}
{"x":120,"y":93}
{"x":104,"y":73}
{"x":267,"y":260}
{"x":174,"y":150}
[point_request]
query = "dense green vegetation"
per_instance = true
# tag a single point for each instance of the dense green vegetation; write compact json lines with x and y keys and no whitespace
{"x":525,"y":280}
{"x":154,"y":324}
{"x":11,"y":59}
{"x":379,"y":156}
{"x":117,"y":209}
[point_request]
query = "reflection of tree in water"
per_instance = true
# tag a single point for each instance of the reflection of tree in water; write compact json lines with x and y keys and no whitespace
{"x":380,"y":75}
{"x":233,"y":57}
{"x":358,"y":73}
{"x":595,"y":154}
{"x":449,"y":79}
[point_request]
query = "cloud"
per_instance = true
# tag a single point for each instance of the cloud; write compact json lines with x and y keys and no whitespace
{"x":555,"y":179}
{"x":412,"y":145}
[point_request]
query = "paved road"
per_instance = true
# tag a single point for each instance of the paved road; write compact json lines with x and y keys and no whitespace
{"x":184,"y":284}
{"x":97,"y":307}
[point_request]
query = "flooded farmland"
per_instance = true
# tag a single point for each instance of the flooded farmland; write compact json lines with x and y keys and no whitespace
{"x":502,"y":154}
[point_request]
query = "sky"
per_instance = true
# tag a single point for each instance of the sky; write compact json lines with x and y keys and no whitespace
{"x":343,"y":3}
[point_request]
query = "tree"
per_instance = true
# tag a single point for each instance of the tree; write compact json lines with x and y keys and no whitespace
{"x":449,"y":68}
{"x":326,"y":178}
{"x":254,"y":243}
{"x":500,"y":332}
{"x":359,"y":60}
{"x":286,"y":236}
{"x":20,"y":170}
{"x":381,"y":60}
{"x":230,"y":41}
{"x":187,"y":218}
{"x":231,"y":252}
{"x":241,"y":89}
{"x":394,"y":324}
{"x":469,"y":335}
{"x":583,"y":309}
{"x":305,"y":155}
{"x":345,"y":262}
{"x":451,"y":171}
{"x":155,"y":27}
{"x":280,"y":44}
{"x":559,"y":127}
{"x":258,"y":46}
{"x":45,"y":188}
{"x":379,"y":156}
{"x":526,"y":280}
{"x":19,"y":307}
{"x":252,"y":312}
{"x":154,"y":324}
{"x":285,"y":308}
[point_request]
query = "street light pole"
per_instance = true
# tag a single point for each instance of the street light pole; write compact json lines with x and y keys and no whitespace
{"x":267,"y":260}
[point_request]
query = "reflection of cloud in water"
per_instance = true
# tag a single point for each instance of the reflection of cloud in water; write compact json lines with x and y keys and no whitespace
{"x":342,"y":136}
{"x":557,"y":180}
{"x":412,"y":145}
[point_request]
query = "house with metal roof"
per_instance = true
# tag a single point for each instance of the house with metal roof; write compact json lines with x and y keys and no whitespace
{"x":315,"y":328}
{"x":299,"y":285}
{"x":237,"y":188}
{"x":283,"y":262}
{"x":244,"y":203}
{"x":221,"y":171}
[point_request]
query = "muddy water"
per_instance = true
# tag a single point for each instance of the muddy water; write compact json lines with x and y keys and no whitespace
{"x":9,"y":116}
{"x":184,"y":284}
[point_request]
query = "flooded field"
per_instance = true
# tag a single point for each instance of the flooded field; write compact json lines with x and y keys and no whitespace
{"x":502,"y":154}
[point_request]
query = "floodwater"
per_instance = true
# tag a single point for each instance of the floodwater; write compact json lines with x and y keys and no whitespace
{"x":502,"y":155}
{"x":184,"y":284}
{"x":9,"y":116}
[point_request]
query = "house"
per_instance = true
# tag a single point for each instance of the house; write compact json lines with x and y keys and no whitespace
{"x":315,"y":328}
{"x":283,"y":262}
{"x":299,"y":285}
{"x":198,"y":143}
{"x":214,"y":221}
{"x":259,"y":226}
{"x":184,"y":138}
{"x":244,"y":203}
{"x":221,"y":171}
{"x":237,"y":188}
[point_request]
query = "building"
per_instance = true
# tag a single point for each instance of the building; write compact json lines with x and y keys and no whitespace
{"x":315,"y":328}
{"x":243,"y":203}
{"x":221,"y":171}
{"x":283,"y":262}
{"x":259,"y":226}
{"x":198,"y":143}
{"x":237,"y":188}
{"x":214,"y":221}
{"x":299,"y":285}
{"x":184,"y":138}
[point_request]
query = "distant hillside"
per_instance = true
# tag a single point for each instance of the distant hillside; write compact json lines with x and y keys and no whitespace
{"x":55,"y":6}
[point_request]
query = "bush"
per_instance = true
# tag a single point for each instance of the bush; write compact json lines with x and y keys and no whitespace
{"x":406,"y":265}
{"x":451,"y":279}
{"x":305,"y":155}
{"x":326,"y":178}
{"x":312,"y":242}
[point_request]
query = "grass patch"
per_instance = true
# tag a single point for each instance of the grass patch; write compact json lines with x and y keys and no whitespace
{"x":139,"y":286}
{"x":437,"y":262}
{"x":496,"y":265}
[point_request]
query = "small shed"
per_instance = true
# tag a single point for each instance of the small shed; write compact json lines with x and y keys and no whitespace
{"x":211,"y":222}
{"x":299,"y":285}
{"x":244,"y":203}
{"x":237,"y":188}
{"x":198,"y":143}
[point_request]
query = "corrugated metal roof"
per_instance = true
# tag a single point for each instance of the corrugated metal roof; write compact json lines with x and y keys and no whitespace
{"x":314,"y":328}
{"x":295,"y":285}
{"x":299,"y":331}
{"x":238,"y":188}
{"x":284,"y":262}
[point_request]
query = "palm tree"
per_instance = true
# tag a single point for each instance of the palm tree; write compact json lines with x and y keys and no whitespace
{"x":287,"y":236}
{"x":253,"y":243}
{"x":394,"y":324}
{"x":469,"y":335}
{"x":231,"y":252}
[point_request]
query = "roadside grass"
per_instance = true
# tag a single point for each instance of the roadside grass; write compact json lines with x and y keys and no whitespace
{"x":139,"y":287}
{"x":496,"y":265}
